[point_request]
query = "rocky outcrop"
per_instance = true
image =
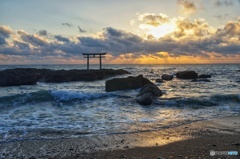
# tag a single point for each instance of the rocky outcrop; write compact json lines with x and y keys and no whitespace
{"x":30,"y":76}
{"x":167,"y":77}
{"x":187,"y":75}
{"x":147,"y":94}
{"x":16,"y":77}
{"x":118,"y":84}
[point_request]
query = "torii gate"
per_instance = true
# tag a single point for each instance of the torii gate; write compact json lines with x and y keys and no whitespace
{"x":94,"y":55}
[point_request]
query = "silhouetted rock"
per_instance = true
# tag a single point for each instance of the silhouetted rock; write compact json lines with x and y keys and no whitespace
{"x":147,"y":94}
{"x":30,"y":76}
{"x":187,"y":75}
{"x":204,"y":76}
{"x":167,"y":77}
{"x":130,"y":82}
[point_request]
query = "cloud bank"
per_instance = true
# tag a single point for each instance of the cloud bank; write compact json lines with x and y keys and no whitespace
{"x":190,"y":39}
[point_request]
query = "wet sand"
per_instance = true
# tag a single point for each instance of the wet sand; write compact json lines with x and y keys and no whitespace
{"x":194,"y":140}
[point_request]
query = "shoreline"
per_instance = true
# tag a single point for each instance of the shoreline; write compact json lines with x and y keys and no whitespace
{"x":221,"y":134}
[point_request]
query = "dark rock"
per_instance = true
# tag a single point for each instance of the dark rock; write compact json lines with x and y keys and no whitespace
{"x":16,"y":77}
{"x":151,"y":88}
{"x":204,"y":76}
{"x":145,"y":99}
{"x":122,"y":156}
{"x":147,"y":94}
{"x":200,"y":80}
{"x":187,"y":75}
{"x":159,"y":80}
{"x":130,"y":82}
{"x":30,"y":76}
{"x":167,"y":77}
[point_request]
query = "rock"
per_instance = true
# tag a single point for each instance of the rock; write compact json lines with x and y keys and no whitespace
{"x":122,"y":156}
{"x":204,"y":76}
{"x":167,"y":77}
{"x":16,"y":77}
{"x":59,"y":76}
{"x":187,"y":75}
{"x":200,"y":80}
{"x":130,"y":82}
{"x":159,"y":80}
{"x":30,"y":76}
{"x":147,"y":94}
{"x":145,"y":99}
{"x":151,"y":88}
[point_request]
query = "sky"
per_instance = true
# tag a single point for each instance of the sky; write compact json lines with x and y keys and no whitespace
{"x":130,"y":31}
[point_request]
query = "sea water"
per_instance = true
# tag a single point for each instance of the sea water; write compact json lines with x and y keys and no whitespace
{"x":67,"y":110}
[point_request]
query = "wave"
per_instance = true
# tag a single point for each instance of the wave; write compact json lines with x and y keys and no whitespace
{"x":72,"y":95}
{"x":53,"y":95}
{"x":213,"y":100}
{"x":66,"y":95}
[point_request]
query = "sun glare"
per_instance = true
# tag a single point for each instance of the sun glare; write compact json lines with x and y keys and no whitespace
{"x":162,"y":30}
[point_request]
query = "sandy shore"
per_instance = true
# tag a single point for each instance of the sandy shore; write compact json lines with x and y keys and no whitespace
{"x":194,"y":140}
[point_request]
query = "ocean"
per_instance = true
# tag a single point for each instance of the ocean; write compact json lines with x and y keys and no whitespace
{"x":69,"y":110}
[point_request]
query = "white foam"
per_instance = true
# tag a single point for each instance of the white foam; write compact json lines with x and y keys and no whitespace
{"x":67,"y":95}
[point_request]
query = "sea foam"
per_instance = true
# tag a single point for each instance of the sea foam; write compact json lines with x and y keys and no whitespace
{"x":67,"y":95}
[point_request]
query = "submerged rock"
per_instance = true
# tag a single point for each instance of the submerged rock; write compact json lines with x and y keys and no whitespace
{"x":30,"y":76}
{"x":130,"y":82}
{"x":147,"y":94}
{"x":167,"y":77}
{"x":187,"y":75}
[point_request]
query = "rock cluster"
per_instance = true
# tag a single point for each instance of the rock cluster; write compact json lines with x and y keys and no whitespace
{"x":146,"y":95}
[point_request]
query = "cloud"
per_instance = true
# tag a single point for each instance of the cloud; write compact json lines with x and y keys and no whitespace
{"x":222,"y":17}
{"x":152,"y":19}
{"x":2,"y":40}
{"x":67,"y":24}
{"x":220,"y":3}
{"x":81,"y":30}
{"x":196,"y":29}
{"x":187,"y":7}
{"x":60,"y":38}
{"x":35,"y":40}
{"x":42,"y":32}
{"x":231,"y":29}
{"x":5,"y":31}
{"x":191,"y":38}
{"x":21,"y":45}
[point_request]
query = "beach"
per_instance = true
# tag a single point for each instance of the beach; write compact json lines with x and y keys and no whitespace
{"x":194,"y":140}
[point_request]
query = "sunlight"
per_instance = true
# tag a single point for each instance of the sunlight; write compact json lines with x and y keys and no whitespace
{"x":162,"y":30}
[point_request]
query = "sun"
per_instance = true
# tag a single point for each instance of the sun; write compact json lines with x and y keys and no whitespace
{"x":162,"y":30}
